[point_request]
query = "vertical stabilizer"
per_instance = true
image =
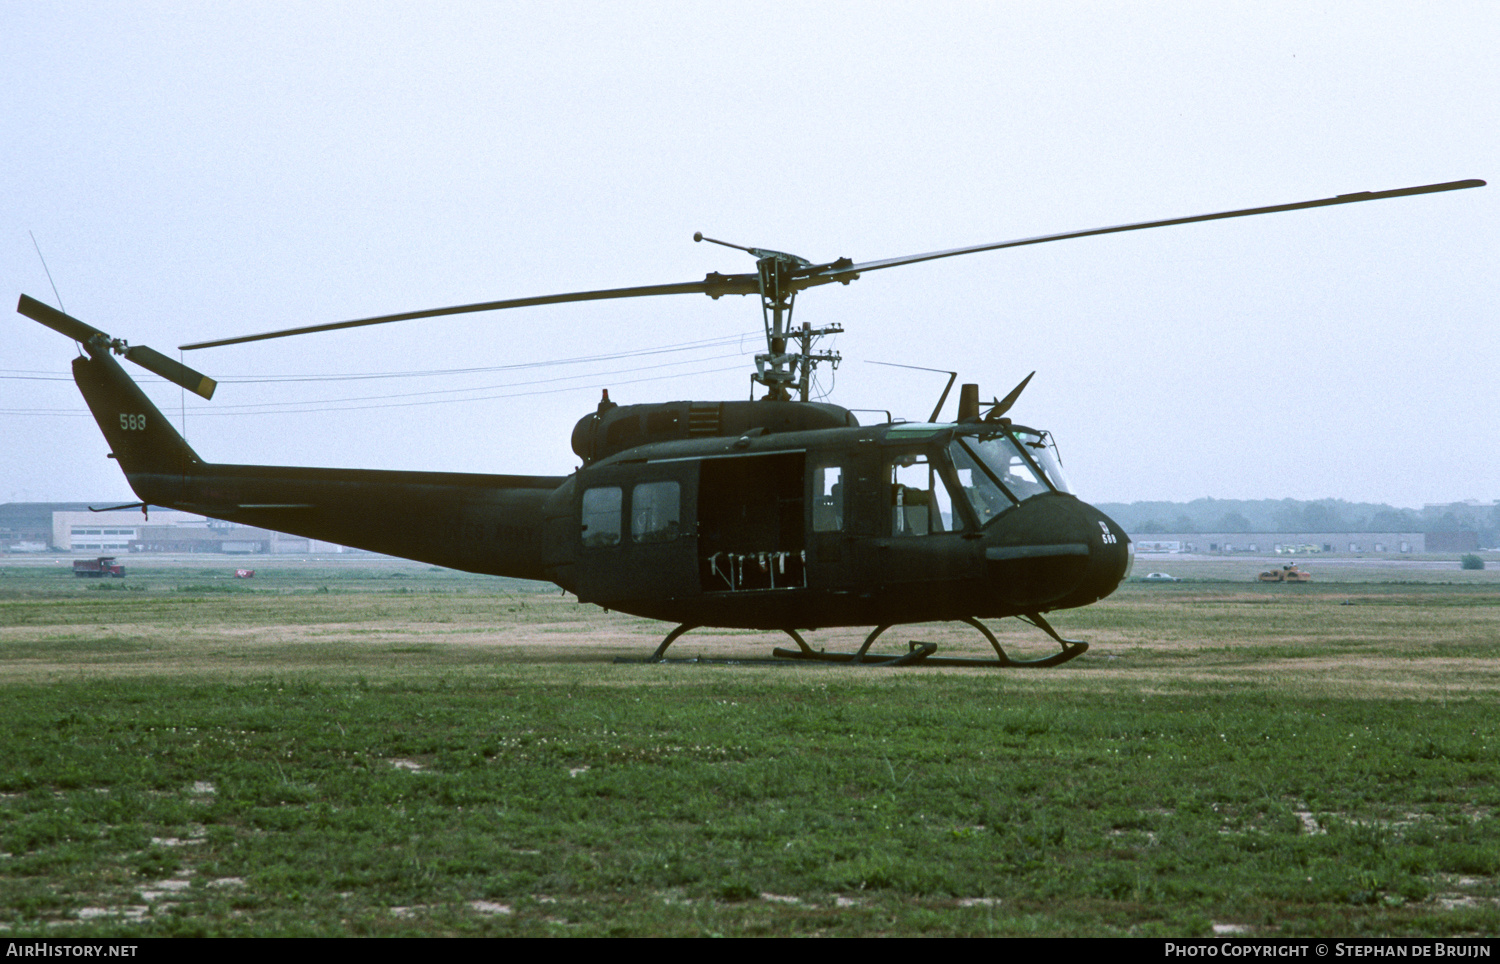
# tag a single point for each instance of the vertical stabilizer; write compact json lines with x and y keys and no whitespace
{"x":155,"y":459}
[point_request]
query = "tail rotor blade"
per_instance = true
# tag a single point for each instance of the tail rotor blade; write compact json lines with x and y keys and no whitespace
{"x":57,"y":321}
{"x":148,"y":358}
{"x":172,"y":370}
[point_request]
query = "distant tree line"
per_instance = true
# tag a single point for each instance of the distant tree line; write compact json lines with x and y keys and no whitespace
{"x":1293,"y":515}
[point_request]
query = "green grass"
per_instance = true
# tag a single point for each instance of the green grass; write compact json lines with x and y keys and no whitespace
{"x":434,"y":754}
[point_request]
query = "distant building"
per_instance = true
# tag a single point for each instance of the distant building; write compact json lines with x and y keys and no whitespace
{"x":26,"y":525}
{"x":1467,"y":505}
{"x":1290,"y":543}
{"x":1452,"y":541}
{"x":106,"y":532}
{"x":127,"y":530}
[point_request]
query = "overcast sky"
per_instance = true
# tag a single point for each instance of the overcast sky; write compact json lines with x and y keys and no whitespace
{"x":202,"y":170}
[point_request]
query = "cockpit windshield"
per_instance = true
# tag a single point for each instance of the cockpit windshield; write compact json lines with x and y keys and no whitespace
{"x":1043,"y":455}
{"x":1007,"y":464}
{"x":996,"y":473}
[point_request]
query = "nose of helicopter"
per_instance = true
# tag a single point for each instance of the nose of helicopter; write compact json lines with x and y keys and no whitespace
{"x":1111,"y":555}
{"x":1056,"y":552}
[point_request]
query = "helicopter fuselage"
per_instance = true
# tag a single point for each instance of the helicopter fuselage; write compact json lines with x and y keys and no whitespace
{"x":766,"y":515}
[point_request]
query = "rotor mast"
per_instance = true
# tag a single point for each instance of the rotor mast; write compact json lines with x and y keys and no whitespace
{"x":783,"y":372}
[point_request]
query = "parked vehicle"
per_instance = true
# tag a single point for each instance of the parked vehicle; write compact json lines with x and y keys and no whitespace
{"x":98,"y":568}
{"x":1286,"y":574}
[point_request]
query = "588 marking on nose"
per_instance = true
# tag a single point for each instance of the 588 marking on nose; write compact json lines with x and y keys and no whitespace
{"x":1109,"y":537}
{"x":132,"y":423}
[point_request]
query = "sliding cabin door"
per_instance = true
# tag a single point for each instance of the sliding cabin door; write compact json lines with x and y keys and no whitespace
{"x":751,"y":523}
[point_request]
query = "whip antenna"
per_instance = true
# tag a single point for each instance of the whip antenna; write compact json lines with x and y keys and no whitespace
{"x":48,"y":270}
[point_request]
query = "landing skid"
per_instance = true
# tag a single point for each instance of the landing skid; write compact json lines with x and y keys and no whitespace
{"x":922,"y":653}
{"x":917,"y":653}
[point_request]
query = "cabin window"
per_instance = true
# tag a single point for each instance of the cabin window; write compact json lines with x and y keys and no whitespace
{"x":655,"y":512}
{"x":919,"y":500}
{"x":828,"y":498}
{"x":601,"y":516}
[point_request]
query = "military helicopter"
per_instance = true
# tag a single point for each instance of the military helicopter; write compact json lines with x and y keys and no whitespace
{"x":780,"y":514}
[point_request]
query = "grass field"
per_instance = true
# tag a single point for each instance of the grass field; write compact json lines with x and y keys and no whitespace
{"x":368,"y":747}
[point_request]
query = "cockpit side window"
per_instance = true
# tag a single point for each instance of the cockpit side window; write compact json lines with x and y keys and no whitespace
{"x":828,"y":498}
{"x":919,"y":500}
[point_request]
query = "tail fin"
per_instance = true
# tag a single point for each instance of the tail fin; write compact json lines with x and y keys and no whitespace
{"x":156,"y":460}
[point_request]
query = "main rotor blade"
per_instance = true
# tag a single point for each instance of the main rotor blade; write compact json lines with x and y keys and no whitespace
{"x":833,"y":274}
{"x":715,"y":285}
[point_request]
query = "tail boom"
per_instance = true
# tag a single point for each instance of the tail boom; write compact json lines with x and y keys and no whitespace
{"x":481,"y":523}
